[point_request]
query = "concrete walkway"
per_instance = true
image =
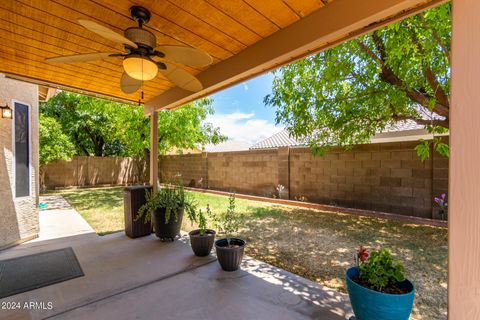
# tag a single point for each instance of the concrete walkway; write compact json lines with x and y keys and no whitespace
{"x":147,"y":279}
{"x":59,"y":220}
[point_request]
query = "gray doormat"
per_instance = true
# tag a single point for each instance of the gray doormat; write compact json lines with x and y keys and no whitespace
{"x":38,"y":270}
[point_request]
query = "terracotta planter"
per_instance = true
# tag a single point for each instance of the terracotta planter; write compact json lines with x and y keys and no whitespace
{"x":230,"y":257}
{"x":202,"y":245}
{"x":166,"y":231}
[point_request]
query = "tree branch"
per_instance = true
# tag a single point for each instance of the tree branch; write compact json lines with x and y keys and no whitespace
{"x":424,"y":122}
{"x":355,"y":97}
{"x":442,"y":98}
{"x":387,"y":75}
{"x":356,"y":77}
{"x":437,"y":38}
{"x":79,"y":144}
{"x":367,"y":50}
{"x":379,"y":46}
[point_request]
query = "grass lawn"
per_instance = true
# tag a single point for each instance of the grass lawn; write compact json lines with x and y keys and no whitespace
{"x":314,"y":244}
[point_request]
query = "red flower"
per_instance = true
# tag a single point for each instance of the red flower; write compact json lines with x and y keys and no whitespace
{"x":362,"y":254}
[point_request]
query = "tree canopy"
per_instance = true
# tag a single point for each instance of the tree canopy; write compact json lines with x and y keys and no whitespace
{"x":54,"y":144}
{"x":105,"y":128}
{"x":345,"y":95}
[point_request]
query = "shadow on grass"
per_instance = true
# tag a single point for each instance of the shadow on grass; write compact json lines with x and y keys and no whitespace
{"x":262,"y":212}
{"x":320,"y":246}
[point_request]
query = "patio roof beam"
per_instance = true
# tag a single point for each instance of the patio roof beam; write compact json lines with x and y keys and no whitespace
{"x":339,"y":21}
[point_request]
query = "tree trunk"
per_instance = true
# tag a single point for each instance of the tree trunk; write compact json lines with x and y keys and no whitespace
{"x":41,"y":176}
{"x":99,"y":145}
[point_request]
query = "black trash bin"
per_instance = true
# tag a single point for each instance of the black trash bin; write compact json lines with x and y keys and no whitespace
{"x":133,"y":199}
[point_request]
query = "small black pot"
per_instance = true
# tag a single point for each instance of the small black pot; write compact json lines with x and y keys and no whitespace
{"x":202,"y":245}
{"x":170,"y":230}
{"x":230,"y":258}
{"x":440,"y":214}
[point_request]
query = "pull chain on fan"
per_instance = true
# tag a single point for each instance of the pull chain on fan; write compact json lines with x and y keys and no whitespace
{"x":141,"y":95}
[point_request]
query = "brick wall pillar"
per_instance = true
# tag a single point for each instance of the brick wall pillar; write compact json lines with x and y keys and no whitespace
{"x":284,"y":170}
{"x":205,"y":170}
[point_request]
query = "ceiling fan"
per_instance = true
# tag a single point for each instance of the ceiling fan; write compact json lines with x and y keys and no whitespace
{"x":141,"y":47}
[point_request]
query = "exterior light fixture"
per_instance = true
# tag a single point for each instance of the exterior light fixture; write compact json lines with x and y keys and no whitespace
{"x":7,"y":113}
{"x":140,"y":68}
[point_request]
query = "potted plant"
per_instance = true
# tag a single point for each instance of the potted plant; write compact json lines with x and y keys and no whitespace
{"x":229,"y":250}
{"x":442,"y":209}
{"x":202,"y":238}
{"x":165,"y":208}
{"x":377,"y":287}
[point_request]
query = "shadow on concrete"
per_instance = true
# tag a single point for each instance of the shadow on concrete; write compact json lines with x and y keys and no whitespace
{"x":148,"y":279}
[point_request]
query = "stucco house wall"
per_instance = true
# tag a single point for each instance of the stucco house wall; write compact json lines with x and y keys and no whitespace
{"x":18,"y":216}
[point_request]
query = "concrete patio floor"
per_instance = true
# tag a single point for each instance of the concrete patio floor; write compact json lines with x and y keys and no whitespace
{"x":147,"y":279}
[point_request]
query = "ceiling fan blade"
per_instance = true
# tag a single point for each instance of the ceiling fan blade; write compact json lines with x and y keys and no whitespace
{"x":181,"y":78}
{"x":186,"y":55}
{"x":106,"y":32}
{"x":81,"y":57}
{"x":128,"y":84}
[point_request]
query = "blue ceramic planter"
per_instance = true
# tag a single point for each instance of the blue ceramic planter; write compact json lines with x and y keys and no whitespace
{"x":368,"y":304}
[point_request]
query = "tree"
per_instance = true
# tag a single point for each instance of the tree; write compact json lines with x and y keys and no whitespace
{"x":182,"y":128}
{"x":185,"y":127}
{"x":105,"y":128}
{"x":344,"y":95}
{"x":54,"y":144}
{"x":90,"y":123}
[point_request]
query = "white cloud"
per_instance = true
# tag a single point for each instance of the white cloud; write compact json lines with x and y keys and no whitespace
{"x":245,"y":86}
{"x":240,"y":126}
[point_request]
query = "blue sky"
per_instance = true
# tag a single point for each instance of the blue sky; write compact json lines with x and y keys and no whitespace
{"x":240,"y":112}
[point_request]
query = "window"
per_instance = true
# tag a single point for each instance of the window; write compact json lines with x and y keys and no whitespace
{"x":21,"y":118}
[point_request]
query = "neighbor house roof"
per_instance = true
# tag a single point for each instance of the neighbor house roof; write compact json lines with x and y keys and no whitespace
{"x":401,"y":131}
{"x":228,"y":146}
{"x":278,"y":140}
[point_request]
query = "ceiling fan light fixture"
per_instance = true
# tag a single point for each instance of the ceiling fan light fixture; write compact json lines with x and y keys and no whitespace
{"x":140,"y":68}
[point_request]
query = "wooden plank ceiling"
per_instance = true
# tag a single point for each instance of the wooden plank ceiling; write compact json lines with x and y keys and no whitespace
{"x":32,"y":30}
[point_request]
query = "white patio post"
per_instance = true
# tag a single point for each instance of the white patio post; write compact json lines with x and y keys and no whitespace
{"x":154,"y":150}
{"x":464,"y":188}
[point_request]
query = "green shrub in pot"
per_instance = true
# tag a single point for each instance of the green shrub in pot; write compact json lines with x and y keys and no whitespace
{"x":202,"y":238}
{"x":165,"y":208}
{"x":377,"y":287}
{"x":229,"y":249}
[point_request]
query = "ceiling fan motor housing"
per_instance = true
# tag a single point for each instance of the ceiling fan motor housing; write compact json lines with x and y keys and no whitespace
{"x":141,"y":37}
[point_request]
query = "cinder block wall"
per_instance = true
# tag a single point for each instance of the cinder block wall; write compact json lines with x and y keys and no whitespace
{"x":190,"y":169}
{"x":94,"y":171}
{"x":387,"y":177}
{"x":383,"y":177}
{"x":245,"y":172}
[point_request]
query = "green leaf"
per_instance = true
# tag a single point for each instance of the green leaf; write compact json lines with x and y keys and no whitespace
{"x":381,"y":269}
{"x":423,"y":149}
